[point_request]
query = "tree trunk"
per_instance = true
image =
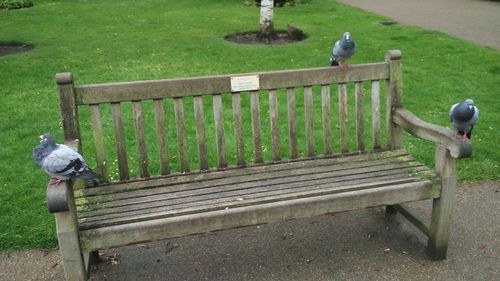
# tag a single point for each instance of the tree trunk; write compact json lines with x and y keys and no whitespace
{"x":266,"y":20}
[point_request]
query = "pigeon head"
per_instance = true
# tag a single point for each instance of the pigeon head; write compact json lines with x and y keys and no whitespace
{"x":464,"y":111}
{"x":46,"y":146}
{"x":47,"y":140}
{"x":346,"y":42}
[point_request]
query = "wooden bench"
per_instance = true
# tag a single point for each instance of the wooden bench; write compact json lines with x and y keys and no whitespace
{"x":170,"y":167}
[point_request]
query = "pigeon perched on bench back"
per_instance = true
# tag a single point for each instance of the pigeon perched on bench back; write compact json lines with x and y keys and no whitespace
{"x":342,"y":50}
{"x":61,"y":162}
{"x":464,"y":115}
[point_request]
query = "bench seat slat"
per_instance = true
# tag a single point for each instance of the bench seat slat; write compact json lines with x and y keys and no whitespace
{"x":246,"y":191}
{"x":297,"y":183}
{"x":269,"y":177}
{"x":123,"y":234}
{"x":238,"y":199}
{"x":174,"y":179}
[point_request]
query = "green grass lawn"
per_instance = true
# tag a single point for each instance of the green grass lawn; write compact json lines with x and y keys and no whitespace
{"x":107,"y":41}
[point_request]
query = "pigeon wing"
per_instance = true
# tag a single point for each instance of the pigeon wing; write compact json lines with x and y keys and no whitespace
{"x":64,"y":163}
{"x":451,"y":111}
{"x":342,"y":54}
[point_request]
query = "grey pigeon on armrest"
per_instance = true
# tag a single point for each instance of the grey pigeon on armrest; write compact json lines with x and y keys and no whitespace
{"x":342,"y":50}
{"x":464,"y":116}
{"x":61,"y":162}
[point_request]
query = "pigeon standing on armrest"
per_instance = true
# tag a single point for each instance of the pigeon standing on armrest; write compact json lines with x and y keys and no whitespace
{"x":342,"y":50}
{"x":61,"y":162}
{"x":464,"y":115}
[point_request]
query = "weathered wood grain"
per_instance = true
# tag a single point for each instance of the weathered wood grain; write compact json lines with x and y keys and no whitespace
{"x":121,"y":149}
{"x":434,"y":133}
{"x":273,"y":177}
{"x":327,"y":115}
{"x":344,"y":137}
{"x":254,"y":188}
{"x":219,"y":132}
{"x":360,"y":122}
{"x":140,"y":137}
{"x":376,"y":114}
{"x":275,"y":126}
{"x":341,"y":160}
{"x":394,"y":98}
{"x":158,"y":89}
{"x":292,"y":122}
{"x":161,"y":135}
{"x":256,"y":131}
{"x":199,"y":118}
{"x":97,"y":131}
{"x":67,"y":236}
{"x":181,"y":134}
{"x":68,"y":106}
{"x":250,"y":215}
{"x":442,"y":209}
{"x":309,"y":122}
{"x":238,"y":130}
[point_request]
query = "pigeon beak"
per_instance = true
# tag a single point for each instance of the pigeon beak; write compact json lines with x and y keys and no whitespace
{"x":471,"y":107}
{"x":41,"y":138}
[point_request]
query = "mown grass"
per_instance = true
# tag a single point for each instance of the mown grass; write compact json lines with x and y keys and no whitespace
{"x":107,"y":41}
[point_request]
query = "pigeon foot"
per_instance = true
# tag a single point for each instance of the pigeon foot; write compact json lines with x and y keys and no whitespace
{"x":343,"y":66}
{"x":55,"y":181}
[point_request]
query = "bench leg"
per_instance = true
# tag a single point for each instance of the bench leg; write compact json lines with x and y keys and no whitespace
{"x":442,"y":207}
{"x":390,"y":211}
{"x":69,"y":244}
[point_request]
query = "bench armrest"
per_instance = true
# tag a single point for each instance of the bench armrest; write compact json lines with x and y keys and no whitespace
{"x":431,"y":132}
{"x":58,"y":195}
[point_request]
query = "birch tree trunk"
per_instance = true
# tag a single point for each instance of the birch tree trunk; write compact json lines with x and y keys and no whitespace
{"x":266,"y":19}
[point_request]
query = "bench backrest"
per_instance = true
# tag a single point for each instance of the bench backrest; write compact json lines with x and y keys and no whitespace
{"x":164,"y":125}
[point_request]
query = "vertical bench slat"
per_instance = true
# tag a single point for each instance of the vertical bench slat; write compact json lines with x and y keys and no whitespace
{"x":120,"y":140}
{"x":238,"y":129}
{"x":275,"y":127}
{"x":219,"y":124}
{"x":360,"y":125}
{"x":308,"y":109}
{"x":292,"y":122}
{"x":344,"y":140}
{"x":255,"y":113}
{"x":200,"y":132}
{"x":140,"y":137}
{"x":181,"y":133}
{"x":161,"y":136}
{"x":95,"y":116}
{"x":376,"y":114}
{"x":327,"y":127}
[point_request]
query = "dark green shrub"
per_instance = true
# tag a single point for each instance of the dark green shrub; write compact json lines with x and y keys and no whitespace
{"x":15,"y":4}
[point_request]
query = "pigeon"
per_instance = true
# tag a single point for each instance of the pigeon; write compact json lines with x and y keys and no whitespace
{"x":61,"y":162}
{"x":342,"y":50}
{"x":464,"y":115}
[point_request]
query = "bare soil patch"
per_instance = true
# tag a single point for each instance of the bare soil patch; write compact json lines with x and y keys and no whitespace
{"x":13,"y":48}
{"x":282,"y":37}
